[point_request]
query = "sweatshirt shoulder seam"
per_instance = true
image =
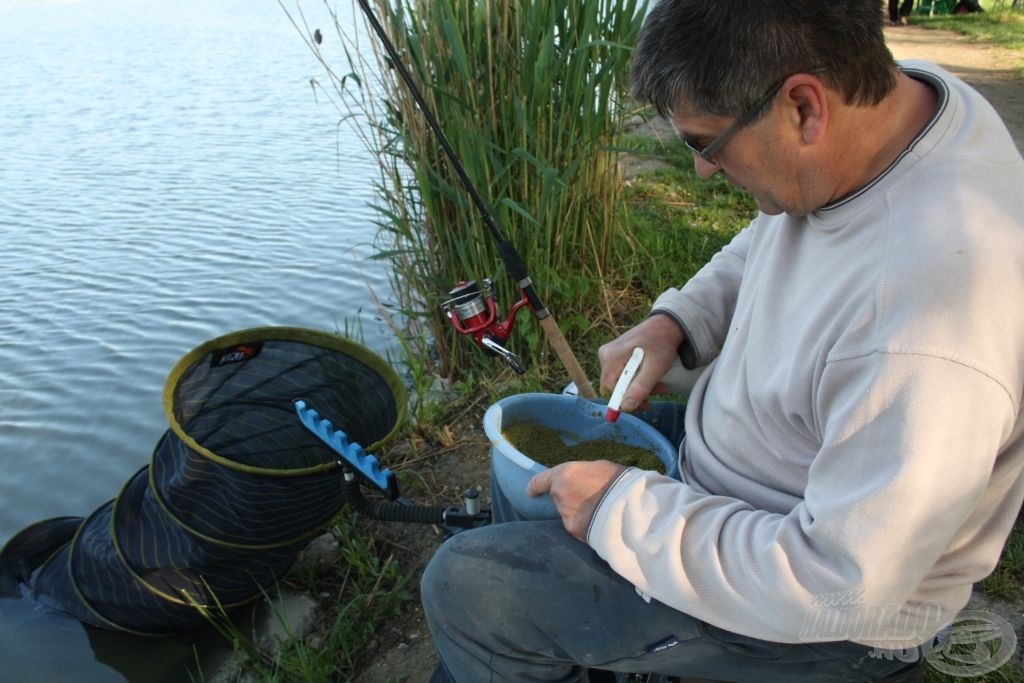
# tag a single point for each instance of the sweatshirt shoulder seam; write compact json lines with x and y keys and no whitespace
{"x":930,"y":354}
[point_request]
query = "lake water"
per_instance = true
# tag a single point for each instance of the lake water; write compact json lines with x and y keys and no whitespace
{"x":166,"y":176}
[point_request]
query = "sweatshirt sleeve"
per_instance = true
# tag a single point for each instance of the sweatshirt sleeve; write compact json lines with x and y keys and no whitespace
{"x":896,"y":477}
{"x":703,"y":307}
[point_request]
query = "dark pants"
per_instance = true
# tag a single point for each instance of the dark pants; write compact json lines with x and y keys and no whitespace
{"x":525,"y":601}
{"x":898,"y":9}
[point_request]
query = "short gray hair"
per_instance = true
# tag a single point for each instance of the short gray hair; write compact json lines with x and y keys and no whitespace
{"x":719,"y":56}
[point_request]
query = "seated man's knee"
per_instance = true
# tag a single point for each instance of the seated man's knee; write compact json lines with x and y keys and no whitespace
{"x":452,"y":575}
{"x":436,"y":579}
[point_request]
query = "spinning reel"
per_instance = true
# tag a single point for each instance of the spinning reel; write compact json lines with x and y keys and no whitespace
{"x":474,"y":311}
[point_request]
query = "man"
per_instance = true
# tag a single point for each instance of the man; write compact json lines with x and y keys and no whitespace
{"x":853,"y":457}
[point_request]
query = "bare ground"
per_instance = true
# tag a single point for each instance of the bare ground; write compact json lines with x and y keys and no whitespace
{"x":402,"y":652}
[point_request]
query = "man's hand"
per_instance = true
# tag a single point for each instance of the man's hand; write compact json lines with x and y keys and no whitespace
{"x":660,"y":337}
{"x":575,"y":488}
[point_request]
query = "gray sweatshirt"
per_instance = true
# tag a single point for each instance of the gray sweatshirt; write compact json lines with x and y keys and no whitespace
{"x":854,"y":455}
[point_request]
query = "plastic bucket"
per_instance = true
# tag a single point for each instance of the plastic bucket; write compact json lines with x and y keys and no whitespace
{"x":578,"y":420}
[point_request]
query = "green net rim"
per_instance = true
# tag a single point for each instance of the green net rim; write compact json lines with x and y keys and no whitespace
{"x":326,"y":340}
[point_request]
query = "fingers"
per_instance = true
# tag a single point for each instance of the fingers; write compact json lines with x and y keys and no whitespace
{"x":575,"y":489}
{"x":660,"y":337}
{"x":613,"y":357}
{"x":539,"y":484}
{"x":645,"y":381}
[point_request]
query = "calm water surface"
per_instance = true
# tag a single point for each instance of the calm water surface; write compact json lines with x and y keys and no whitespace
{"x":166,"y":176}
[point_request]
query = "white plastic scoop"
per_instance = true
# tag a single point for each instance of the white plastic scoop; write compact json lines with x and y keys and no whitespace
{"x":627,"y":376}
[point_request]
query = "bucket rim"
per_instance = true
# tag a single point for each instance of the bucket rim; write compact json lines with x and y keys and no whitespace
{"x":666,"y":452}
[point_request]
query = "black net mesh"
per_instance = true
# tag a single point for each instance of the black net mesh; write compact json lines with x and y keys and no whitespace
{"x":237,"y":402}
{"x":234,"y":490}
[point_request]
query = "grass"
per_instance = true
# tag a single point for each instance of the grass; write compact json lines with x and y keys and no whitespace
{"x":365,"y":585}
{"x":671,"y":213}
{"x":1008,"y":673}
{"x":1006,"y":582}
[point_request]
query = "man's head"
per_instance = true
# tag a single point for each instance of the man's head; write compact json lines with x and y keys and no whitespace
{"x":721,"y":56}
{"x":775,"y":95}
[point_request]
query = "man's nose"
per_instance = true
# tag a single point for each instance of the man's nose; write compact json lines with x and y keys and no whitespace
{"x":704,"y":168}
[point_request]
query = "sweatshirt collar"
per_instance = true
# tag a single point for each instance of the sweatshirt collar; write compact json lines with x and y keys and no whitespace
{"x":835,"y":213}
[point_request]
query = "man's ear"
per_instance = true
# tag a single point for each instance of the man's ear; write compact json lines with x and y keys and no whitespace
{"x":809,"y":106}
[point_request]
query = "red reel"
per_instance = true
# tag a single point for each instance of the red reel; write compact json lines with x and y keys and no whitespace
{"x":474,"y":311}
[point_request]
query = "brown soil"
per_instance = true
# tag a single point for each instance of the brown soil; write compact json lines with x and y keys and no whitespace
{"x":402,"y":652}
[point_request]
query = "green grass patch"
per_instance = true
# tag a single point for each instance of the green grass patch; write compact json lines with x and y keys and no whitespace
{"x":1006,"y":581}
{"x":676,"y":220}
{"x":362,"y":588}
{"x":1009,"y":673}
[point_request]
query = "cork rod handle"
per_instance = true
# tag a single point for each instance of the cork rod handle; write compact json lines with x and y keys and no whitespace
{"x":568,"y":358}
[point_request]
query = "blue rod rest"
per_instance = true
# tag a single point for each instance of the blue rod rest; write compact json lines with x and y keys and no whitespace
{"x":352,"y":453}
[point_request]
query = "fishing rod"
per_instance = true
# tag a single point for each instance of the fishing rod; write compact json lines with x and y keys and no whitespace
{"x":472,"y":309}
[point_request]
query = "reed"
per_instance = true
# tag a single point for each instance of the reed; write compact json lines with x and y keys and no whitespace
{"x":530,"y":96}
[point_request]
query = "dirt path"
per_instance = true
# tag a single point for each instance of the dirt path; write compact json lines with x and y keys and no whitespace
{"x":992,"y":71}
